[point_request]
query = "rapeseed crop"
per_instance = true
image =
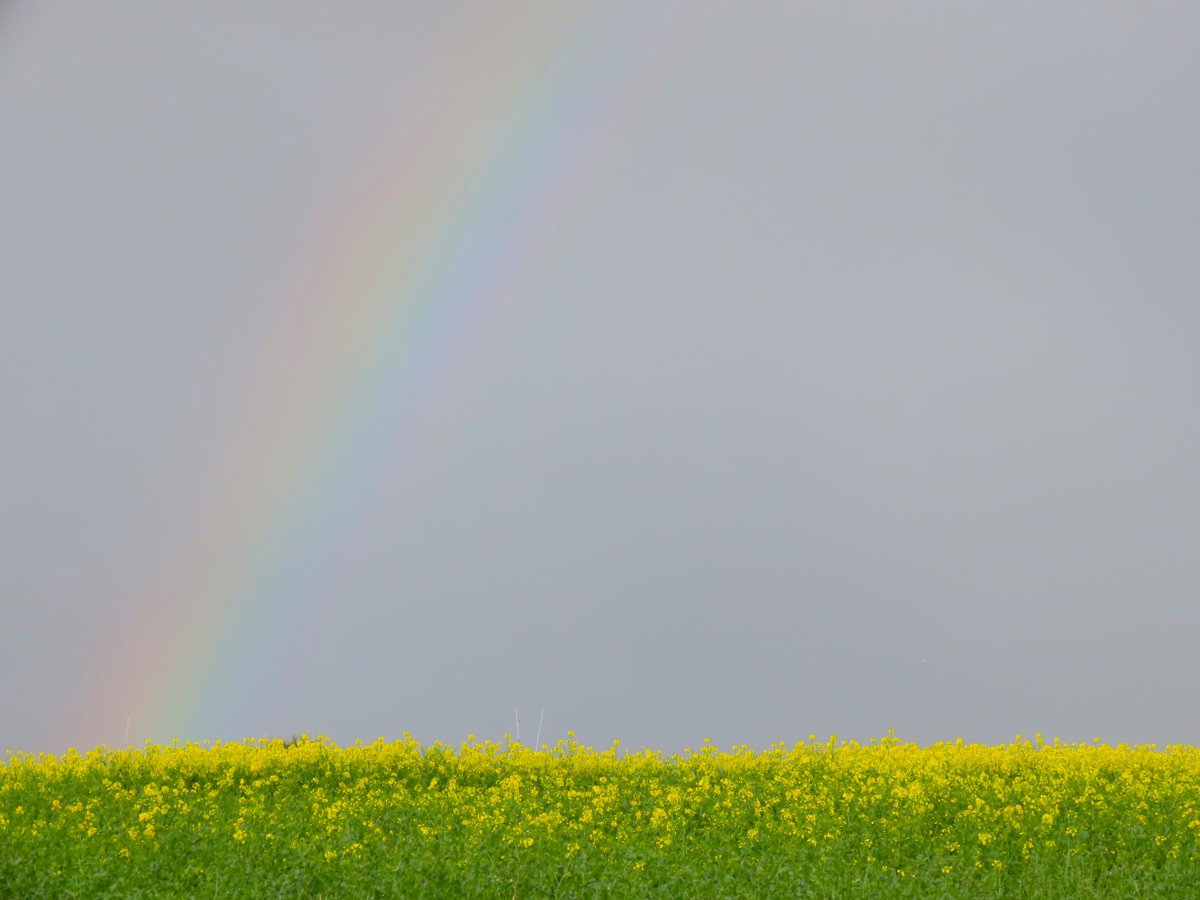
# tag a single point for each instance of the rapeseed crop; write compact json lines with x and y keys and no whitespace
{"x":400,"y":819}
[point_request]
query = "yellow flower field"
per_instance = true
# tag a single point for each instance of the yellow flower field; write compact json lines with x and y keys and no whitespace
{"x":820,"y":819}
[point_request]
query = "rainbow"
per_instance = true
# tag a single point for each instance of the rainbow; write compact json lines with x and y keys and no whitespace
{"x":532,"y":95}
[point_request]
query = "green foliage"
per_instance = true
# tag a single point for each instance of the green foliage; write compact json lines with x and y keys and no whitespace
{"x":305,"y":818}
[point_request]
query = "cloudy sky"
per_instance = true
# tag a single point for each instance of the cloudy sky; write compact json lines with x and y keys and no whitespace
{"x":681,"y":369}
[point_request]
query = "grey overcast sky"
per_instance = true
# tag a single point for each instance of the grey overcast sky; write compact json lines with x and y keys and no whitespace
{"x":850,"y":383}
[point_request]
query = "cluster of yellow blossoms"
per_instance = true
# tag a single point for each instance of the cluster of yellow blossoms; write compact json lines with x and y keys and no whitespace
{"x":264,"y":817}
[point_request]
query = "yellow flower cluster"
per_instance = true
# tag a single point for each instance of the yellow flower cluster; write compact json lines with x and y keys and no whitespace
{"x":311,"y":816}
